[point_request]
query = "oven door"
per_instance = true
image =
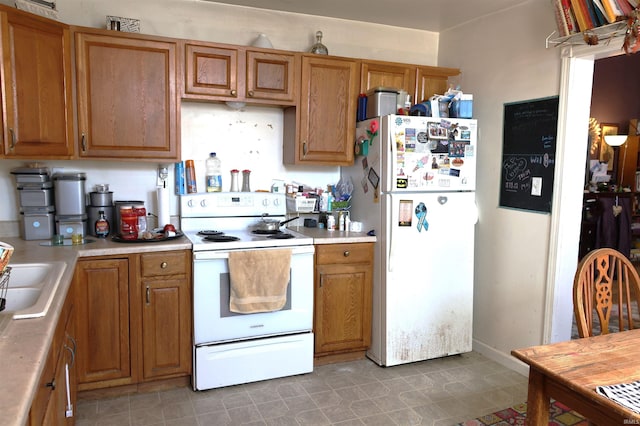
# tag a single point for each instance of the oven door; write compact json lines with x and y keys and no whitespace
{"x":213,"y":322}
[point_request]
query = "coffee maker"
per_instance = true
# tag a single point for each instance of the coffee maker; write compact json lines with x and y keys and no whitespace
{"x":101,"y":200}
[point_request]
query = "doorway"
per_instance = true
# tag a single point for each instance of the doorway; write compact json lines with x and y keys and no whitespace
{"x":573,"y":126}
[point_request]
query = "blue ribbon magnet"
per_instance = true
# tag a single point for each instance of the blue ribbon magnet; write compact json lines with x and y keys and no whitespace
{"x":421,"y":214}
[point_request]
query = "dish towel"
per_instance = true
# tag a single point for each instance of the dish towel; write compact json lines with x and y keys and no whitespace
{"x":259,"y":280}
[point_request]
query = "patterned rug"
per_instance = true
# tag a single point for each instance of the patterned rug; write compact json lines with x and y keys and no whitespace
{"x":559,"y":415}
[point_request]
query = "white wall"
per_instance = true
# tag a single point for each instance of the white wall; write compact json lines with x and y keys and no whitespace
{"x":249,"y":139}
{"x":504,"y":60}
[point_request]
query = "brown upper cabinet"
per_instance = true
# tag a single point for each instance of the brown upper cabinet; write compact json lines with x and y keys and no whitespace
{"x":386,"y":74}
{"x":432,"y":81}
{"x":321,"y":130}
{"x":421,"y":82}
{"x":36,"y":79}
{"x":127,"y":100}
{"x":219,"y":72}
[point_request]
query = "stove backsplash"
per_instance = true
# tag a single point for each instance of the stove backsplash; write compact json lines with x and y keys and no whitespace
{"x":247,"y":139}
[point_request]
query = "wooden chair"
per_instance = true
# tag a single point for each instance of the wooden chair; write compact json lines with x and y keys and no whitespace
{"x":605,"y":283}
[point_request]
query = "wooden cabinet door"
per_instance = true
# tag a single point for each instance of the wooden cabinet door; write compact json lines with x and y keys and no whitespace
{"x":327,"y":111}
{"x":127,"y":102}
{"x":386,"y":74}
{"x":342,"y":308}
{"x":103,"y":337}
{"x":210,"y":72}
{"x":432,"y":81}
{"x":165,"y":299}
{"x":166,"y":327}
{"x":37,"y":87}
{"x":271,"y":76}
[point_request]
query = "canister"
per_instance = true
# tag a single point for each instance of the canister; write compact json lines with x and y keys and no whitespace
{"x":381,"y":101}
{"x":37,"y":223}
{"x":71,"y":224}
{"x":35,"y":194}
{"x":69,"y":193}
{"x":115,"y":224}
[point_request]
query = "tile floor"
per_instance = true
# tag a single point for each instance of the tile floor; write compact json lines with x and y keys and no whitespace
{"x":435,"y":392}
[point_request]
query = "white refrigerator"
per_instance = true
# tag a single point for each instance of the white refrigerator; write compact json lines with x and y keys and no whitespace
{"x":414,"y":184}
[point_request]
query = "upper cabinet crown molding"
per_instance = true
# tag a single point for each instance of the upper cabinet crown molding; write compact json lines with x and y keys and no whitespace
{"x":37,"y":92}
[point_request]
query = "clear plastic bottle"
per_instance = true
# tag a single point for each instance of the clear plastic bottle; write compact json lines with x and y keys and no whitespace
{"x":213,"y":173}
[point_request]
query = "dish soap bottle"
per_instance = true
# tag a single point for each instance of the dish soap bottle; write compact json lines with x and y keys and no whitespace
{"x":102,"y":225}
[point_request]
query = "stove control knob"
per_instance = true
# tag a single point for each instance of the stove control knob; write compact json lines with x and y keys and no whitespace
{"x":276,"y":202}
{"x":265,"y":202}
{"x":190,"y":203}
{"x":204,"y":203}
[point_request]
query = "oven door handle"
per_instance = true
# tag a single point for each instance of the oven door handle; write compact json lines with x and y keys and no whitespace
{"x":221,"y":254}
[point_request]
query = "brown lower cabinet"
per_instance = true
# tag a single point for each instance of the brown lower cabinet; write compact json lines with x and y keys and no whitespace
{"x":49,"y":406}
{"x":343,"y":301}
{"x":134,"y":318}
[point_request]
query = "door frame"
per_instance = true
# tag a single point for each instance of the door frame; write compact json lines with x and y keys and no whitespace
{"x":576,"y":84}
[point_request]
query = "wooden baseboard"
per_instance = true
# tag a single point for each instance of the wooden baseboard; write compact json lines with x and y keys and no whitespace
{"x":155,"y":386}
{"x":341,"y":357}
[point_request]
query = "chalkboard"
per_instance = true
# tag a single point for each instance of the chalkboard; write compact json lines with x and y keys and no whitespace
{"x":528,"y":154}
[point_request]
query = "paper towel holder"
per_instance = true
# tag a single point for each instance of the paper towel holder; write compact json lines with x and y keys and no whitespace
{"x":163,"y":175}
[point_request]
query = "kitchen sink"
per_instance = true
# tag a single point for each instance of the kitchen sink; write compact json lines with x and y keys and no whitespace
{"x":31,"y":288}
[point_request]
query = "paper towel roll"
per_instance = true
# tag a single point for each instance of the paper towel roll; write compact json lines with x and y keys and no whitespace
{"x":163,"y":206}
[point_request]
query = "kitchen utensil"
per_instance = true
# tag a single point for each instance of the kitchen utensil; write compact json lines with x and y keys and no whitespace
{"x":272,"y":224}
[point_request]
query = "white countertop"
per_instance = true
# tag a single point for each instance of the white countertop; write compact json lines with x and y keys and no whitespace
{"x":24,"y":343}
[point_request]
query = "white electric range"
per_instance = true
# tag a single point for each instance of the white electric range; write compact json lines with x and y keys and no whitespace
{"x":231,"y":348}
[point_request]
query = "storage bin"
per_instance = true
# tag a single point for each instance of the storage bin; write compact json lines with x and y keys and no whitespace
{"x":37,"y":223}
{"x":72,"y":224}
{"x":69,"y":193}
{"x":382,"y":101}
{"x":301,"y":204}
{"x":35,"y":195}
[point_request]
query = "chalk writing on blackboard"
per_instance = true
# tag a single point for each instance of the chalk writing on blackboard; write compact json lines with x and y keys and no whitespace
{"x":528,"y":154}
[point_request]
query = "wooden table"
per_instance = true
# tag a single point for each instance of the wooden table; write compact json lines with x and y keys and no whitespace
{"x":570,"y":371}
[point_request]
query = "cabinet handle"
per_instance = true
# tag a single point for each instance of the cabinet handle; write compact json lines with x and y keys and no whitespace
{"x":13,"y":138}
{"x":164,"y":265}
{"x":250,"y":93}
{"x":321,"y":280}
{"x":304,"y":148}
{"x":84,"y":142}
{"x":52,"y":384}
{"x":73,"y":354}
{"x":233,"y":93}
{"x":346,"y":253}
{"x":148,"y":295}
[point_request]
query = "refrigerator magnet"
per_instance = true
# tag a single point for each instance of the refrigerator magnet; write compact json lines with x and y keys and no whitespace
{"x":405,"y":212}
{"x":374,"y":178}
{"x":421,"y":214}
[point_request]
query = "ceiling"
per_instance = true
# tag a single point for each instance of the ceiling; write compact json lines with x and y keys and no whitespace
{"x":428,"y":15}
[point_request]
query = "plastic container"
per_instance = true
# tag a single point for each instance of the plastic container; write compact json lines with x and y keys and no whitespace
{"x":181,"y":188}
{"x":128,"y":223}
{"x":190,"y":177}
{"x":213,"y":173}
{"x":141,"y":213}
